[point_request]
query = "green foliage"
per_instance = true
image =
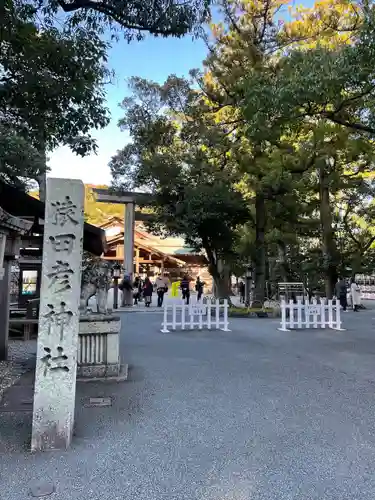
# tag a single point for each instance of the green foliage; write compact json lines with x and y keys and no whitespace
{"x":329,"y":80}
{"x":51,"y":89}
{"x":276,"y":138}
{"x":53,"y":71}
{"x":132,"y":18}
{"x":97,"y":212}
{"x":19,"y":160}
{"x":304,"y":94}
{"x":180,"y":157}
{"x":52,"y":82}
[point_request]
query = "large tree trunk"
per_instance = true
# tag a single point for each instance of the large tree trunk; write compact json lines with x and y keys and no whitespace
{"x":329,"y":247}
{"x":357,"y":263}
{"x":281,"y":257}
{"x":220,"y":273}
{"x":222,"y":290}
{"x":42,"y":182}
{"x":42,"y":177}
{"x":260,"y":248}
{"x":222,"y":280}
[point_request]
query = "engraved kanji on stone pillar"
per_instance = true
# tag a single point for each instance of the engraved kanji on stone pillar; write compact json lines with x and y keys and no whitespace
{"x":56,"y":367}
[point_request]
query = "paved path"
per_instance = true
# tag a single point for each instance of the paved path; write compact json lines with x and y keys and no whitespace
{"x":255,"y":414}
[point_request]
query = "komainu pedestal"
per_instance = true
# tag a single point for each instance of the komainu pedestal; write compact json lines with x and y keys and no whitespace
{"x":99,"y":332}
{"x":99,"y":347}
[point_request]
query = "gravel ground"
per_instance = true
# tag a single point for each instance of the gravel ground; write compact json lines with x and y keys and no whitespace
{"x":252,"y":414}
{"x":20,"y":355}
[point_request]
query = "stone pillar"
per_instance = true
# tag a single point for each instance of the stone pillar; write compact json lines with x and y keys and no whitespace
{"x":129,"y":220}
{"x":137,"y":261}
{"x":4,"y":309}
{"x":56,"y":367}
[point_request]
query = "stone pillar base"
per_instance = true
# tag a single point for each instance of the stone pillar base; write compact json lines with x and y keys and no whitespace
{"x":99,"y":348}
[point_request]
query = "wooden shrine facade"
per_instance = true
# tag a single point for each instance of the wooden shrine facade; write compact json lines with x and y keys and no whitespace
{"x":149,"y":259}
{"x":23,"y":257}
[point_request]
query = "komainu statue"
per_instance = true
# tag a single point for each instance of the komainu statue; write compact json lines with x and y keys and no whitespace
{"x":96,"y":281}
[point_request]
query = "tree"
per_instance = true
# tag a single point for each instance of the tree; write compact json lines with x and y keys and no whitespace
{"x":97,"y":212}
{"x":318,"y":85}
{"x":53,"y":70}
{"x":158,"y":17}
{"x":19,"y":160}
{"x":179,"y":156}
{"x":327,"y":77}
{"x":320,"y":106}
{"x":51,"y":91}
{"x":243,"y":47}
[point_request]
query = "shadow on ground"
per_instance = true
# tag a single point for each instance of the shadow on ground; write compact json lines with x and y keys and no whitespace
{"x":250,"y":414}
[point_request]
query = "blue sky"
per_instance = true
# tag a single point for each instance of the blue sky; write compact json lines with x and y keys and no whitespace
{"x":154,"y":59}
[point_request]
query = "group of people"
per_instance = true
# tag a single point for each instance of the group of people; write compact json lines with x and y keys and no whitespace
{"x":185,"y":289}
{"x":342,"y":294}
{"x":143,"y":289}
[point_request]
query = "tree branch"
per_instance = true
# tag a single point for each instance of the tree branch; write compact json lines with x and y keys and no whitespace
{"x":110,"y":11}
{"x":349,"y":231}
{"x":369,"y":243}
{"x":345,"y":123}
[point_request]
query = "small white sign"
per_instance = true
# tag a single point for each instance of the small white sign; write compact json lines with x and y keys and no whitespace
{"x":198,"y":310}
{"x":314,"y":310}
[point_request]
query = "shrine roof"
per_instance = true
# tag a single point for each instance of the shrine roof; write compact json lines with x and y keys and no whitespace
{"x":13,"y":223}
{"x":20,"y":204}
{"x":140,"y":243}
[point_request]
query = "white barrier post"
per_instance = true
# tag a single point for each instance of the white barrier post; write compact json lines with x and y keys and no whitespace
{"x":338,"y":317}
{"x":315,"y":313}
{"x":174,"y":311}
{"x":165,"y":319}
{"x":299,"y":313}
{"x":319,"y":313}
{"x":307,"y":314}
{"x":217,"y":314}
{"x":191,"y":319}
{"x":330,"y":313}
{"x":208,"y":305}
{"x":183,"y":317}
{"x":322,"y":313}
{"x":283,"y":325}
{"x":225,"y":329}
{"x":196,"y":309}
{"x":291,"y":313}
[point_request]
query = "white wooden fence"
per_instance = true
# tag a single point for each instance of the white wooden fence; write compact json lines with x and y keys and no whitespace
{"x":198,"y":315}
{"x":326,"y":314}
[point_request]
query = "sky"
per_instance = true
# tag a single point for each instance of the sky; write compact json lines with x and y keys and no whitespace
{"x":154,"y":59}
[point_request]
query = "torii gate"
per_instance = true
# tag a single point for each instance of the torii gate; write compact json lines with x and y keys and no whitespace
{"x":129,"y":199}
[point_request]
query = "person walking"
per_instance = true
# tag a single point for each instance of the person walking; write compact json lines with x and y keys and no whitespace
{"x":341,"y":292}
{"x":137,"y":290}
{"x":241,"y":288}
{"x":126,"y":288}
{"x":147,"y":291}
{"x":161,"y":289}
{"x":355,"y":293}
{"x":185,"y":287}
{"x":199,"y":288}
